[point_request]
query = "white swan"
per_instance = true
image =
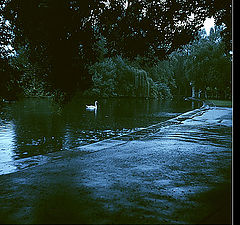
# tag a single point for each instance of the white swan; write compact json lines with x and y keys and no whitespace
{"x":92,"y":107}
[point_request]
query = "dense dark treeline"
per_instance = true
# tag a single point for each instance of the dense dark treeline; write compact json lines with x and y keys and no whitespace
{"x":201,"y":66}
{"x":114,"y":48}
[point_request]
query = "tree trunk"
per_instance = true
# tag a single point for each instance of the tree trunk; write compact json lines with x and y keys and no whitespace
{"x":205,"y":94}
{"x":193,"y":91}
{"x":199,"y":93}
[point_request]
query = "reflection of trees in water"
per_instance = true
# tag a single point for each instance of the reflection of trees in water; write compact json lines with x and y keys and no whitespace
{"x":38,"y":129}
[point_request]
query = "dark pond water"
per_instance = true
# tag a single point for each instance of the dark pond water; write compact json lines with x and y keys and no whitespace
{"x":33,"y":126}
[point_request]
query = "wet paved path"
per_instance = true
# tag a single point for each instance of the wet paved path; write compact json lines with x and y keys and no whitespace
{"x":176,"y":172}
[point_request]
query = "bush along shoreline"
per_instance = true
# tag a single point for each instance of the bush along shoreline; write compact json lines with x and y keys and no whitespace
{"x":199,"y":69}
{"x":116,"y":77}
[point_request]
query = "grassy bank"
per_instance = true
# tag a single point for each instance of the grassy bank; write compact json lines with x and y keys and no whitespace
{"x":221,"y":103}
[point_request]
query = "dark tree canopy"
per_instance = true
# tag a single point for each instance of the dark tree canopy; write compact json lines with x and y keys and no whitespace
{"x":63,"y":33}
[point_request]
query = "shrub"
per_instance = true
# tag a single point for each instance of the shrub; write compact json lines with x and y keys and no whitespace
{"x":119,"y":77}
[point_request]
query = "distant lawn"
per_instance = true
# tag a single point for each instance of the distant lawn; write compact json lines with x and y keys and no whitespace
{"x":221,"y":103}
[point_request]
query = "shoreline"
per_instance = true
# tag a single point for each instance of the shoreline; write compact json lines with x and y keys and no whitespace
{"x":19,"y":165}
{"x":179,"y":174}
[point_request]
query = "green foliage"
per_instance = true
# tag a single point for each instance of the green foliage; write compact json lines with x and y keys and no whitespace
{"x":62,"y":39}
{"x":164,"y":92}
{"x":103,"y":76}
{"x":70,"y":35}
{"x":33,"y":78}
{"x":112,"y":77}
{"x":100,"y":47}
{"x":210,"y":66}
{"x":162,"y":73}
{"x":205,"y":64}
{"x":9,"y":88}
{"x":118,"y":77}
{"x":160,"y":76}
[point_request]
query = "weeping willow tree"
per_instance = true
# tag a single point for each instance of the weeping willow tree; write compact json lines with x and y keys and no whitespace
{"x":116,"y":77}
{"x":142,"y":83}
{"x":203,"y":67}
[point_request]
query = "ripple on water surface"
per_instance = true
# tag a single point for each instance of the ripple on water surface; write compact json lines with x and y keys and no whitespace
{"x":35,"y":127}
